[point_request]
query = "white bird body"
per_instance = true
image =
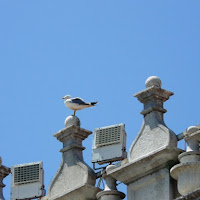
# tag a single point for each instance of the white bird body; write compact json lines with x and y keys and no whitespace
{"x":77,"y":103}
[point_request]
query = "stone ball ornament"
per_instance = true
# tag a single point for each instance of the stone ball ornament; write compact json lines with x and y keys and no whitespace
{"x":72,"y":120}
{"x":191,"y":130}
{"x":153,"y":81}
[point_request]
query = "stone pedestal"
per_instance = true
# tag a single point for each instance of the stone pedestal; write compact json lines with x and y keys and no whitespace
{"x":4,"y":171}
{"x":110,"y":192}
{"x":153,"y":152}
{"x":74,"y":179}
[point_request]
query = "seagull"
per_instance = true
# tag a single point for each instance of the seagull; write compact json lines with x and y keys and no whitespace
{"x":77,"y":103}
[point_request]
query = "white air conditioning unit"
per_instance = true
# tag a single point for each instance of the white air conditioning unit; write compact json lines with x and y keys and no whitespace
{"x":27,"y":181}
{"x":109,"y":144}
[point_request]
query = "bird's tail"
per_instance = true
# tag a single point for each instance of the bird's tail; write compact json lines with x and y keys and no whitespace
{"x":93,"y":103}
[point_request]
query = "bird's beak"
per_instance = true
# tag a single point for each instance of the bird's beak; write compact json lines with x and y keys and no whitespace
{"x":63,"y":98}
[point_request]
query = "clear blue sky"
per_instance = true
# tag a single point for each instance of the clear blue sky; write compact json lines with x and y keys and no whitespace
{"x":100,"y":51}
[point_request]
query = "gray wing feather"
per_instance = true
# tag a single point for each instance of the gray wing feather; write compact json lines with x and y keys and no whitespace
{"x":79,"y":101}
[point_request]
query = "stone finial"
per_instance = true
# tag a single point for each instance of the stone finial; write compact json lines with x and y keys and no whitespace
{"x":74,"y":179}
{"x":153,"y":81}
{"x":188,"y":132}
{"x":191,"y":129}
{"x":153,"y":152}
{"x":187,"y":173}
{"x":153,"y":96}
{"x":72,"y":120}
{"x":192,"y":138}
{"x":154,"y":134}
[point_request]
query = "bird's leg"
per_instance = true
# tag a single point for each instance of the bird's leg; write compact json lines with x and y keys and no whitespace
{"x":74,"y":112}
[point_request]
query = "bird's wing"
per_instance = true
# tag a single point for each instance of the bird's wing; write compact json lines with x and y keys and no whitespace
{"x":79,"y":101}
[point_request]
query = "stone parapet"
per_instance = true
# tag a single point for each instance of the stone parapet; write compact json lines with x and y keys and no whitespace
{"x":134,"y":170}
{"x":149,"y":177}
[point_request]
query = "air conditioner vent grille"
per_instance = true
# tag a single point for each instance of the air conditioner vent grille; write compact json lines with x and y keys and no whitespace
{"x":106,"y":136}
{"x":26,"y":174}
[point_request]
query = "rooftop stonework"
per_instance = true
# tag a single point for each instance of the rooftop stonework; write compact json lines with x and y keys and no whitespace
{"x":154,"y":151}
{"x":110,"y":191}
{"x":154,"y":134}
{"x":4,"y":171}
{"x":187,"y":172}
{"x":74,"y":179}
